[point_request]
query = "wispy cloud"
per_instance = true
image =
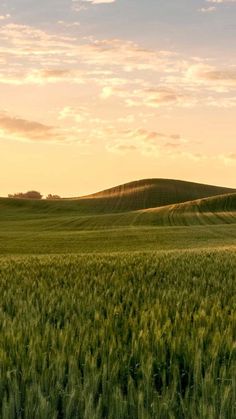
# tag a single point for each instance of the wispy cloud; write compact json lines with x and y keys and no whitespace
{"x":25,"y":129}
{"x":121,"y":87}
{"x":214,"y":78}
{"x":99,"y":1}
{"x":221,"y":1}
{"x":79,"y":5}
{"x":5,"y":17}
{"x":143,"y":141}
{"x":16,"y":128}
{"x":207,"y":9}
{"x":121,"y":69}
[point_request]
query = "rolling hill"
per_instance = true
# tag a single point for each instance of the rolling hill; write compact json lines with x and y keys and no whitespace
{"x":145,"y":215}
{"x":207,"y":211}
{"x":219,"y":209}
{"x":139,"y":195}
{"x":150,"y":193}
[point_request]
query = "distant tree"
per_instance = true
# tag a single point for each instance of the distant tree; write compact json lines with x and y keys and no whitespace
{"x":16,"y":195}
{"x":33,"y":195}
{"x":26,"y":195}
{"x":51,"y":197}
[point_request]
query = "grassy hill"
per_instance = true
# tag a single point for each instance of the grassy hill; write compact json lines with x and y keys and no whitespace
{"x":119,"y":305}
{"x":207,"y":211}
{"x":94,"y":224}
{"x":149,"y":193}
{"x":220,"y":209}
{"x":132,"y":196}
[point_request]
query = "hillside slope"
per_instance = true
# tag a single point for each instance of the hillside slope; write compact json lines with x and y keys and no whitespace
{"x":150,"y":193}
{"x":214,"y":210}
{"x":207,"y":211}
{"x":133,"y":196}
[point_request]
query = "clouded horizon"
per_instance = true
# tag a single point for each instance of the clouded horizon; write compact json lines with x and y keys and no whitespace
{"x":95,"y":93}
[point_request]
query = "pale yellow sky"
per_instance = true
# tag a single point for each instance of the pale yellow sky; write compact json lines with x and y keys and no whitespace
{"x":86,"y":104}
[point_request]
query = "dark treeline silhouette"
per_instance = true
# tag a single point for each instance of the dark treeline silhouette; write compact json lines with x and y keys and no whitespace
{"x":32,"y":195}
{"x":26,"y":195}
{"x":51,"y":197}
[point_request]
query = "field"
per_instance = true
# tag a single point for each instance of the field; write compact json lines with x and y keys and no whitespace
{"x":119,"y":305}
{"x":121,"y":219}
{"x":131,"y":336}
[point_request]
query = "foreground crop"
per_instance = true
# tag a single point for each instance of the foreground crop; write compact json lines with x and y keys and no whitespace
{"x":118,"y":336}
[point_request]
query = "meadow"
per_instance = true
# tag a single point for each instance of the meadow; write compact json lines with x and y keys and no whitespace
{"x":120,"y":305}
{"x":126,"y":218}
{"x":148,"y":335}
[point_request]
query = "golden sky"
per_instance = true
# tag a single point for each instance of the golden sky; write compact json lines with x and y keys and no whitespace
{"x":98,"y":93}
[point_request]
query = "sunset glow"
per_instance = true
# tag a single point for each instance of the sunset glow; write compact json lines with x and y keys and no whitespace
{"x":101,"y":92}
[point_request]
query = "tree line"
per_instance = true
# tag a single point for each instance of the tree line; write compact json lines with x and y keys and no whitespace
{"x":32,"y":195}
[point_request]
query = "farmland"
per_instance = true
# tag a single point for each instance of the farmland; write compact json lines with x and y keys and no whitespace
{"x":122,"y":336}
{"x":133,"y":217}
{"x":119,"y":305}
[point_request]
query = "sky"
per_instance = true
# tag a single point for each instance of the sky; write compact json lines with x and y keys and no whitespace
{"x":96,"y":93}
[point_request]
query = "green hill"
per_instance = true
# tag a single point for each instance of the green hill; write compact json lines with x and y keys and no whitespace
{"x":132,"y":196}
{"x":150,"y":193}
{"x":133,"y":217}
{"x":142,"y":203}
{"x":214,"y":210}
{"x":207,"y":211}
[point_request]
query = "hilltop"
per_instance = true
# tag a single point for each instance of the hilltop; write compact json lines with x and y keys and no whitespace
{"x":216,"y":210}
{"x":219,"y":209}
{"x":148,"y":193}
{"x":133,"y":196}
{"x":143,"y":215}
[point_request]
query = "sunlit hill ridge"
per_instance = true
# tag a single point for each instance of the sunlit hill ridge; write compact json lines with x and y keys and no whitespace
{"x":144,"y":202}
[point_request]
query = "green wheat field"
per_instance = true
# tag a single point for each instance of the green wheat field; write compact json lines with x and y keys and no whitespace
{"x":119,"y":305}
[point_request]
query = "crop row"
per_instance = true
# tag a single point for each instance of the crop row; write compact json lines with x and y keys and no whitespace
{"x":123,"y":336}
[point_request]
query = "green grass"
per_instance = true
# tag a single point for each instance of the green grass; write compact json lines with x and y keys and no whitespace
{"x":32,"y":227}
{"x":156,"y":202}
{"x":133,"y":196}
{"x":119,"y":305}
{"x":31,"y":242}
{"x":125,"y":336}
{"x":150,"y":193}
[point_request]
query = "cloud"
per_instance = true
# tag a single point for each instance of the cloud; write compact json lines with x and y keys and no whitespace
{"x":78,"y":115}
{"x":121,"y":83}
{"x":221,"y":1}
{"x":5,"y":17}
{"x":42,"y":77}
{"x":116,"y":137}
{"x":156,"y":144}
{"x":32,"y":56}
{"x":142,"y":95}
{"x":214,"y":8}
{"x":25,"y":129}
{"x":79,"y":5}
{"x":93,"y":1}
{"x":228,"y":159}
{"x":55,"y":75}
{"x":19,"y":129}
{"x":68,"y":25}
{"x":116,"y":140}
{"x":157,"y":97}
{"x":144,"y":141}
{"x":207,"y":9}
{"x":28,"y":51}
{"x":116,"y":70}
{"x":99,"y":1}
{"x":215,"y":78}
